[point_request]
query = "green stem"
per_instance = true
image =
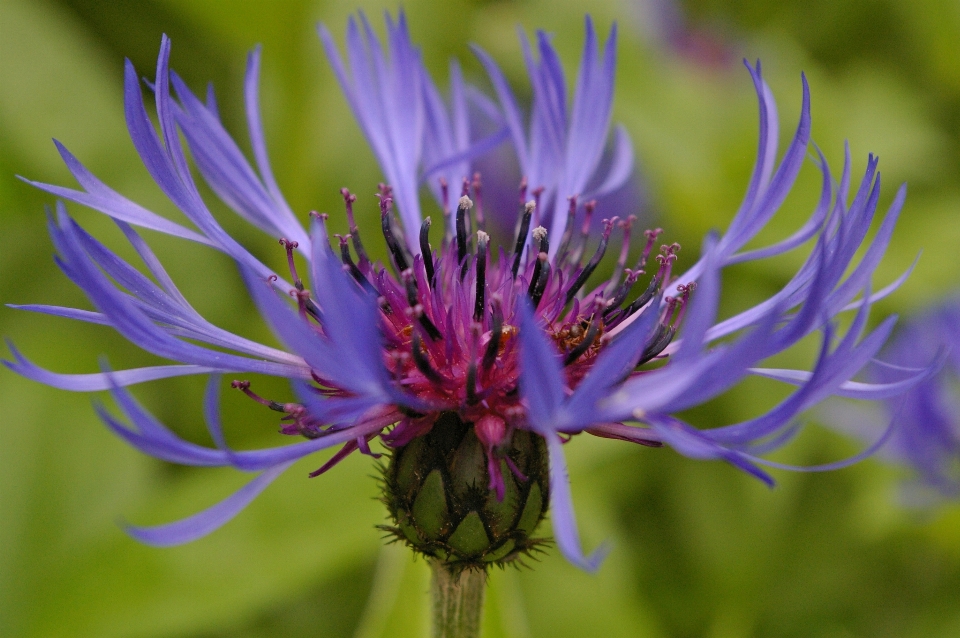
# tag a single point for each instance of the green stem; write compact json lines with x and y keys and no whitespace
{"x":457,"y":598}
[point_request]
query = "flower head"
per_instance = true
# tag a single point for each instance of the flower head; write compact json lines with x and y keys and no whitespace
{"x":473,"y":363}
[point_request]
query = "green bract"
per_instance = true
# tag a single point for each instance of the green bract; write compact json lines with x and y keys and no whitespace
{"x":436,"y":489}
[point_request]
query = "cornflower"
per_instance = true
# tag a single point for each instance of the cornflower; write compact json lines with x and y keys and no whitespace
{"x":473,"y":365}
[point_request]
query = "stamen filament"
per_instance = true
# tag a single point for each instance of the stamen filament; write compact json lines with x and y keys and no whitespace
{"x":244,"y":386}
{"x":528,"y":209}
{"x":349,"y":199}
{"x":386,"y":223}
{"x":592,"y":264}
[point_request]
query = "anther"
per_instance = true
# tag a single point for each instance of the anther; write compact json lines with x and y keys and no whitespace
{"x":662,"y":275}
{"x":664,"y":333}
{"x":427,"y":251}
{"x":528,"y":209}
{"x":539,"y":235}
{"x":621,"y":293}
{"x":594,"y":261}
{"x":535,"y":277}
{"x":386,"y":224}
{"x":244,"y":386}
{"x":482,"y":240}
{"x":352,"y":267}
{"x":420,"y":356}
{"x":541,"y":273}
{"x":463,"y":208}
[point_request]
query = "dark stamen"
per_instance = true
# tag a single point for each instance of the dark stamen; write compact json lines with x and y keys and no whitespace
{"x":540,"y":239}
{"x":386,"y":224}
{"x":496,"y":333}
{"x":410,"y":283}
{"x":592,"y":264}
{"x":535,"y":278}
{"x":352,"y":267}
{"x":427,"y":252}
{"x":479,"y":304}
{"x":542,"y":280}
{"x":420,"y":358}
{"x":663,"y":274}
{"x":661,"y":340}
{"x":621,"y":293}
{"x":664,"y":334}
{"x":349,"y":199}
{"x":463,"y":207}
{"x":643,"y":299}
{"x":244,"y":386}
{"x":522,"y":236}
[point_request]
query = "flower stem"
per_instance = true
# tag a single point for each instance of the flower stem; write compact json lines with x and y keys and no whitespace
{"x":457,"y":597}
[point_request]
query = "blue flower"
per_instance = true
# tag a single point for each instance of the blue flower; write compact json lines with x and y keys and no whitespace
{"x":521,"y":340}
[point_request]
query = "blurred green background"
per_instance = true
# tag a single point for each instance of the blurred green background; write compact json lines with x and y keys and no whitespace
{"x":699,"y":549}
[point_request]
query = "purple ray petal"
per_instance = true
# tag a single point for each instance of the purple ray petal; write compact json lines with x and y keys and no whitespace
{"x":561,"y":508}
{"x":93,"y":382}
{"x":541,"y":375}
{"x":208,"y":520}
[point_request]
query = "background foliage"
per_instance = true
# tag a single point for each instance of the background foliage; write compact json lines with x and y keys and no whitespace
{"x":700,"y":550}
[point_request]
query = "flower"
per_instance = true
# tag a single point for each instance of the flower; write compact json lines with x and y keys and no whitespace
{"x":473,"y":365}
